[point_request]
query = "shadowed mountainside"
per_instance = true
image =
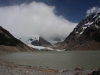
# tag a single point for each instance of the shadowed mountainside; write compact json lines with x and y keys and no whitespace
{"x":86,"y":35}
{"x":8,"y":43}
{"x":40,"y":42}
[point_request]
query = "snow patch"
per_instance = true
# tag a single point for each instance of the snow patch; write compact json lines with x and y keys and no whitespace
{"x":95,"y":16}
{"x":61,"y":50}
{"x":89,"y":23}
{"x":40,"y":47}
{"x":81,"y":32}
{"x":99,"y":17}
{"x":76,"y":32}
{"x":84,"y":28}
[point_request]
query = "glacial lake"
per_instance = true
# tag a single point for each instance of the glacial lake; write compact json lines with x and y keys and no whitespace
{"x":56,"y":60}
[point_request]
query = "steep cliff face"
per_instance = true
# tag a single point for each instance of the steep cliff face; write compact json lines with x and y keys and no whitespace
{"x":9,"y":43}
{"x":86,"y":35}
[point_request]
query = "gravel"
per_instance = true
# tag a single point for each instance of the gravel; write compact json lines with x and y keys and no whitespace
{"x":9,"y":68}
{"x":23,"y":71}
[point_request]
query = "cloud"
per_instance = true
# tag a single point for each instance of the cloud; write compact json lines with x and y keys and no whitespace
{"x":34,"y":18}
{"x":92,"y":10}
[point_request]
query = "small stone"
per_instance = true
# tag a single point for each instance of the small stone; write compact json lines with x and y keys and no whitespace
{"x":78,"y":73}
{"x":95,"y":69}
{"x":27,"y":72}
{"x":95,"y":73}
{"x":64,"y":70}
{"x":78,"y":68}
{"x":12,"y":73}
{"x":89,"y":74}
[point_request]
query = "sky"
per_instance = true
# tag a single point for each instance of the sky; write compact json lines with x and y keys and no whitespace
{"x":73,"y":10}
{"x":44,"y":17}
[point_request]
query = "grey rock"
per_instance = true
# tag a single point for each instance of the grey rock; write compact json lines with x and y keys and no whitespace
{"x":78,"y":73}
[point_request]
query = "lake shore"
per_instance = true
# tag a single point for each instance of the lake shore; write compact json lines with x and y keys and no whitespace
{"x":10,"y":68}
{"x":24,"y":69}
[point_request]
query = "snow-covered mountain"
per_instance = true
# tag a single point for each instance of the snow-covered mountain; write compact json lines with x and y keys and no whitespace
{"x":35,"y":40}
{"x":38,"y":40}
{"x":86,"y":35}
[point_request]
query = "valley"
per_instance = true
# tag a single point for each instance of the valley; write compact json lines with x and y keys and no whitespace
{"x":56,"y":54}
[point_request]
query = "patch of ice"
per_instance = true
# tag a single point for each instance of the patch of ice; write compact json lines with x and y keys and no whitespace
{"x":61,"y":50}
{"x":95,"y":16}
{"x":81,"y":33}
{"x":89,"y":23}
{"x":40,"y":47}
{"x":97,"y":11}
{"x":99,"y":17}
{"x":76,"y":32}
{"x":84,"y":28}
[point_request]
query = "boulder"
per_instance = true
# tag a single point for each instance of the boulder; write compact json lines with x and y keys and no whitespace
{"x":78,"y":73}
{"x":78,"y":68}
{"x":95,"y":73}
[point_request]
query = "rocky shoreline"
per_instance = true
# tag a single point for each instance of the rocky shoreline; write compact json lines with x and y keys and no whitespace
{"x":13,"y":69}
{"x":10,"y":68}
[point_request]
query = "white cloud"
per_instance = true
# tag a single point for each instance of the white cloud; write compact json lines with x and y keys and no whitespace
{"x":92,"y":10}
{"x":34,"y":18}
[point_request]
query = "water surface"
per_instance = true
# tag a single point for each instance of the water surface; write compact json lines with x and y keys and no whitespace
{"x":56,"y":60}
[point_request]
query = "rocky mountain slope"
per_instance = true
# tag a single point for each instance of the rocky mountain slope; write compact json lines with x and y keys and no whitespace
{"x":8,"y":43}
{"x":40,"y":42}
{"x":86,"y":35}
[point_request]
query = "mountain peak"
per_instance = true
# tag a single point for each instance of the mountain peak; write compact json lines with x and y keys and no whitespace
{"x":40,"y":42}
{"x":87,"y":30}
